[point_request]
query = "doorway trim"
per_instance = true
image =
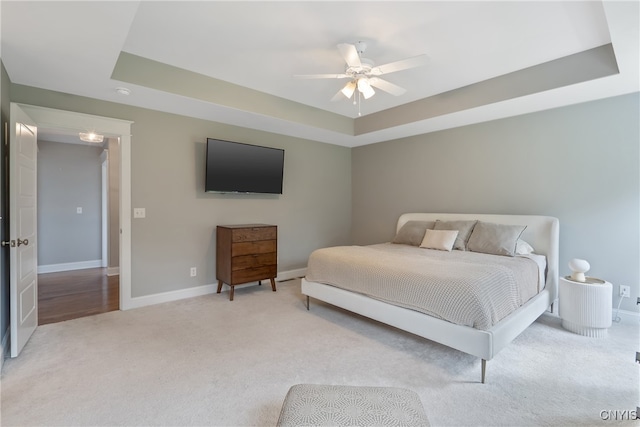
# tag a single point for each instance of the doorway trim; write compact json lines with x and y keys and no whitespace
{"x":104,"y":208}
{"x":117,"y":128}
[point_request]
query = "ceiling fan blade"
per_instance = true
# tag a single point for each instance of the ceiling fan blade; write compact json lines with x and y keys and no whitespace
{"x":415,"y":61}
{"x":321,"y":76}
{"x":386,"y":86}
{"x":350,"y":54}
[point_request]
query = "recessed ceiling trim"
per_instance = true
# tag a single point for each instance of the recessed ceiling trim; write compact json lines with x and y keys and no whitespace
{"x":145,"y":72}
{"x":577,"y":68}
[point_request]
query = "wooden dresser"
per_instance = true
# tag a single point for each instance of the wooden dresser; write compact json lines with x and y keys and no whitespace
{"x":246,"y":253}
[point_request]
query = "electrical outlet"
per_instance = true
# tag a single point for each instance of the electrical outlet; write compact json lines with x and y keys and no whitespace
{"x":194,"y":272}
{"x":625,"y":291}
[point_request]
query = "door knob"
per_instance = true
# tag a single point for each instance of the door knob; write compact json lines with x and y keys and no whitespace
{"x":12,"y":243}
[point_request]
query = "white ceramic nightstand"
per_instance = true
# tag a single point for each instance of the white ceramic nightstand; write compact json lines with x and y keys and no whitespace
{"x":585,"y":307}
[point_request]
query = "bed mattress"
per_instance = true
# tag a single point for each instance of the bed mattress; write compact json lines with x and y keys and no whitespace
{"x":466,"y":288}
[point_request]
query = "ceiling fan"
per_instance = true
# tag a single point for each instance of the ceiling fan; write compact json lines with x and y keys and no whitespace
{"x":363,"y":74}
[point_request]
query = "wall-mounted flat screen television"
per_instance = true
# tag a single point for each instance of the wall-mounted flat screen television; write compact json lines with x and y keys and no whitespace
{"x":234,"y":167}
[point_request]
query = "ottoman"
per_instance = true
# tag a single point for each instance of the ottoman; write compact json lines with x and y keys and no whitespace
{"x":339,"y":405}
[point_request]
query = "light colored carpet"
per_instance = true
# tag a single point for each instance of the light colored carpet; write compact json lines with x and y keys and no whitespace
{"x":209,"y":361}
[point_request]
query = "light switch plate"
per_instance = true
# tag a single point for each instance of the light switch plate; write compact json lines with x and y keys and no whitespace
{"x":139,"y":213}
{"x":78,"y":210}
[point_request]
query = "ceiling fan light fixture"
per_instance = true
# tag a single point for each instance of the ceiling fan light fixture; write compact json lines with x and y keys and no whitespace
{"x":91,"y":137}
{"x":348,"y":89}
{"x":365,"y":88}
{"x":364,"y":74}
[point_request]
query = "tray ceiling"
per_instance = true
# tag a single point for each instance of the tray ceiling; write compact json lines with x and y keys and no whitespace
{"x":234,"y":62}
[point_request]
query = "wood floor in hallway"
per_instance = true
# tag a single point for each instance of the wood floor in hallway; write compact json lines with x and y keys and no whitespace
{"x":69,"y":295}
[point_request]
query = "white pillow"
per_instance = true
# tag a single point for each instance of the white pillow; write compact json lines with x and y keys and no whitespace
{"x":441,"y":240}
{"x":523,"y":248}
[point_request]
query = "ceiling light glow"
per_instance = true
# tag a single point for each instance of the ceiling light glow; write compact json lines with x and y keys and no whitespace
{"x":365,"y":88}
{"x":91,"y":137}
{"x":349,"y":89}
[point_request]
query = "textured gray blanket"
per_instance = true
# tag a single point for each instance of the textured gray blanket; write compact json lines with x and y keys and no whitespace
{"x":466,"y":288}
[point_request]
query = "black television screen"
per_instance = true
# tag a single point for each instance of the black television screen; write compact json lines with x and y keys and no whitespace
{"x":234,"y":167}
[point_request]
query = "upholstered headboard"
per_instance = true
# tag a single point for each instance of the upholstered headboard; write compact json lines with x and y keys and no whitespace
{"x":542,"y":233}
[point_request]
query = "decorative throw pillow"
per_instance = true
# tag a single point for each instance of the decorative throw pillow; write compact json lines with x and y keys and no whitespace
{"x":464,"y":231}
{"x":412,"y":232}
{"x":495,"y":239}
{"x":441,"y":240}
{"x":523,"y":248}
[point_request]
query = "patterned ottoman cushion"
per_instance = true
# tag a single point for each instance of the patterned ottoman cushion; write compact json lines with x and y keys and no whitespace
{"x":337,"y":405}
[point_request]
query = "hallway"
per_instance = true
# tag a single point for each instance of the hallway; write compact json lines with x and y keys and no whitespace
{"x":68,"y":295}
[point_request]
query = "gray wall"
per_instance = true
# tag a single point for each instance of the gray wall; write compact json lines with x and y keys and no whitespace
{"x":4,"y":204}
{"x":167,"y":178}
{"x":69,"y":176}
{"x":578,"y":163}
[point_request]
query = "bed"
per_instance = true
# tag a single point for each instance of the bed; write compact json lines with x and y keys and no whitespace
{"x":483,"y":337}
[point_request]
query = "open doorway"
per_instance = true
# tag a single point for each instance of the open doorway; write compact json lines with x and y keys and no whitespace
{"x":23,"y":285}
{"x":78,"y":224}
{"x":73,"y":294}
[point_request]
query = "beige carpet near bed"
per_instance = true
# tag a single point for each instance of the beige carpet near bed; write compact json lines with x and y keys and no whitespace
{"x":209,"y":361}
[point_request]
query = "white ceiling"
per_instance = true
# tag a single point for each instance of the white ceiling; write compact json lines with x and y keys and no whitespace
{"x":73,"y":47}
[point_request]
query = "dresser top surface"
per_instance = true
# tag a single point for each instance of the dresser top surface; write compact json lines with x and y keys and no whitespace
{"x":246,"y":225}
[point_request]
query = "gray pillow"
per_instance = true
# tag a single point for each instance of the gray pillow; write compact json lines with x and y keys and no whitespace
{"x":464,"y":231}
{"x":412,"y":232}
{"x":495,"y":239}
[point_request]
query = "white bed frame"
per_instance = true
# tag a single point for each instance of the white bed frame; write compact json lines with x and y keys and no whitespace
{"x":542,"y":233}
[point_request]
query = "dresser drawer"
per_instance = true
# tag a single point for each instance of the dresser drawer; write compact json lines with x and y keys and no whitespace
{"x":253,"y":261}
{"x":259,"y":247}
{"x":253,"y":274}
{"x":253,"y":234}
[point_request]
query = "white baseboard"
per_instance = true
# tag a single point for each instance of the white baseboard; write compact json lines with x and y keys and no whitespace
{"x":4,"y":346}
{"x":163,"y":297}
{"x":54,"y":268}
{"x":291,"y":274}
{"x":197,"y":291}
{"x":113,"y":271}
{"x":626,"y":315}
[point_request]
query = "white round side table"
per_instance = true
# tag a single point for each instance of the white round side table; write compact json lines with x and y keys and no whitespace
{"x":585,"y":307}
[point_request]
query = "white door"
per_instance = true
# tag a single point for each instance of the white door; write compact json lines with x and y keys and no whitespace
{"x":22,"y":228}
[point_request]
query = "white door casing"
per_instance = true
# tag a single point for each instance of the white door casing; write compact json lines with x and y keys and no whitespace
{"x":104,"y":200}
{"x":116,"y":128}
{"x":22,"y":228}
